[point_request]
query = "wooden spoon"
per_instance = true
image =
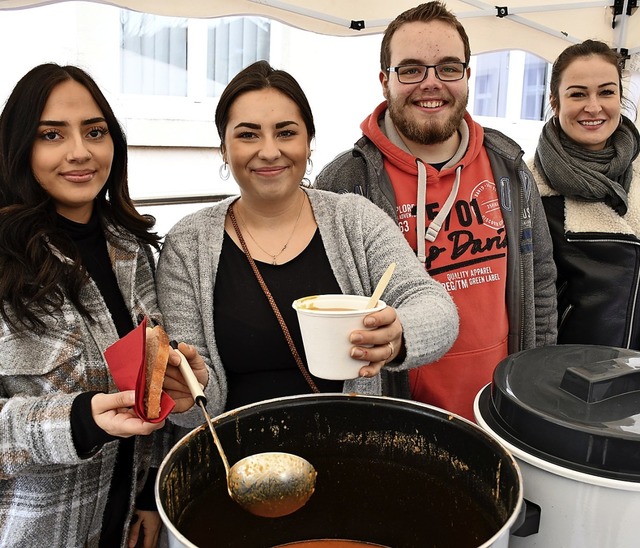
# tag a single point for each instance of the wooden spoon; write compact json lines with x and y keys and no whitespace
{"x":382,"y":285}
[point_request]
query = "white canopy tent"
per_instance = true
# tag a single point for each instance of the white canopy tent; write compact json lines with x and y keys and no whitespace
{"x":543,"y":28}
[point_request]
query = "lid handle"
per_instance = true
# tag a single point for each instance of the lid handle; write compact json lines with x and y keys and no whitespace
{"x":598,"y":381}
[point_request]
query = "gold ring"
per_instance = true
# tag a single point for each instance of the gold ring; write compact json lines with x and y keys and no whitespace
{"x":391,"y":351}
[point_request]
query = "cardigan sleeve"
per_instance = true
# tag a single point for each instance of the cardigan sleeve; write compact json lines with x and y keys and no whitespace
{"x":361,"y":240}
{"x":185,"y":279}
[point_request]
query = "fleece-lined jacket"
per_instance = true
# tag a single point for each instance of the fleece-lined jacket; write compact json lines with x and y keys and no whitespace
{"x":597,"y":254}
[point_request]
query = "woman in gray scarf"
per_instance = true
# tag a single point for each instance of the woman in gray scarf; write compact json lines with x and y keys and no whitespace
{"x":588,"y":172}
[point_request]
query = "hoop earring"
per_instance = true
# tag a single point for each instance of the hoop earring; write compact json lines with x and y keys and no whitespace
{"x":224,"y":171}
{"x":309,"y":166}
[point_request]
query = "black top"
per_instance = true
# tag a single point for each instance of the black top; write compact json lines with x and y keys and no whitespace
{"x":256,"y":357}
{"x":91,"y":242}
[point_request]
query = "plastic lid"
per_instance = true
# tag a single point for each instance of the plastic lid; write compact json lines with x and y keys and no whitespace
{"x":575,"y":405}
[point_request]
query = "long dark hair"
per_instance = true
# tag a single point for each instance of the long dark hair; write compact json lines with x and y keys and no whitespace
{"x":34,"y":282}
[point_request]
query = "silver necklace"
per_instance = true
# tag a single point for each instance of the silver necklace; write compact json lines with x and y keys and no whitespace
{"x":275,"y":257}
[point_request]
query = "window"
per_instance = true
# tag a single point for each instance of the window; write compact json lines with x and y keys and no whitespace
{"x":234,"y":43}
{"x":154,"y":54}
{"x":534,"y":89}
{"x":491,"y":84}
{"x":174,"y":56}
{"x":163,"y":77}
{"x":507,"y":92}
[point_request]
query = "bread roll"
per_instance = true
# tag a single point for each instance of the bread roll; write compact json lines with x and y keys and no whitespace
{"x":157,"y":354}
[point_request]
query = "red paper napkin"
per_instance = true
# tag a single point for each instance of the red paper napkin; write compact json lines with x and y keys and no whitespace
{"x":126,"y":361}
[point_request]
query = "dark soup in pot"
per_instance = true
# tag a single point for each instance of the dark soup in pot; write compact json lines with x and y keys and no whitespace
{"x":375,"y":501}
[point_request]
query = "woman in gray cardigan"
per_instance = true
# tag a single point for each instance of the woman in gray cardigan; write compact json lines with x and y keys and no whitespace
{"x":303,"y":242}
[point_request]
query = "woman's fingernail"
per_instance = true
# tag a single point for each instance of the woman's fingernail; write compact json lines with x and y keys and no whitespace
{"x":357,"y":353}
{"x":356,"y":338}
{"x":369,"y":322}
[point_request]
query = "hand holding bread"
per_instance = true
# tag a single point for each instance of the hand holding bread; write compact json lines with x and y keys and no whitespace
{"x":159,"y":377}
{"x":114,"y":414}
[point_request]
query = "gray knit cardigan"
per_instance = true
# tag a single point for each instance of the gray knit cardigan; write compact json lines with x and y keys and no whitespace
{"x":360,"y":241}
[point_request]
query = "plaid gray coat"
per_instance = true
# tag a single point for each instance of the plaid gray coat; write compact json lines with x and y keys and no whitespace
{"x":48,"y":495}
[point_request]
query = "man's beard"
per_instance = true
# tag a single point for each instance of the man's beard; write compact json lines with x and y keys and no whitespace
{"x":427,"y":132}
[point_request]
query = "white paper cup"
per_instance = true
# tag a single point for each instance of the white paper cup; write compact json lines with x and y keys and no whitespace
{"x":326,"y":321}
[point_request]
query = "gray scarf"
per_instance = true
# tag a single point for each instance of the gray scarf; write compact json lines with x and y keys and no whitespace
{"x":589,"y":175}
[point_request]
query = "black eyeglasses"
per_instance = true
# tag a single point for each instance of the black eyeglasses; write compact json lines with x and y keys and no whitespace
{"x":414,"y":74}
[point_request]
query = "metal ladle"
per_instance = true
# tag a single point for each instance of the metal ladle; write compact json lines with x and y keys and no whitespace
{"x":270,"y":485}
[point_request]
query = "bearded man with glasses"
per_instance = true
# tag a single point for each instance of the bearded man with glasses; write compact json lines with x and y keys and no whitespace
{"x":465,"y":201}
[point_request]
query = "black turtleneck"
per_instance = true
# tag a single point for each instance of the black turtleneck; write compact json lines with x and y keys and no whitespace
{"x":92,"y":244}
{"x":88,"y":437}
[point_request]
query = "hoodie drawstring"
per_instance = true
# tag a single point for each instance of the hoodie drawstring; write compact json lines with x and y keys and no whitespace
{"x":431,"y":232}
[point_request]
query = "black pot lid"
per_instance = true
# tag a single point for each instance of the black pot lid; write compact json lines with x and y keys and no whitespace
{"x":575,"y":405}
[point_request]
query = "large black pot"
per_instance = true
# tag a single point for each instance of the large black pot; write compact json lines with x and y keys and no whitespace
{"x":391,"y":472}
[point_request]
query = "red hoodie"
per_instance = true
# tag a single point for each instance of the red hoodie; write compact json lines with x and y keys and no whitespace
{"x":468,"y":256}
